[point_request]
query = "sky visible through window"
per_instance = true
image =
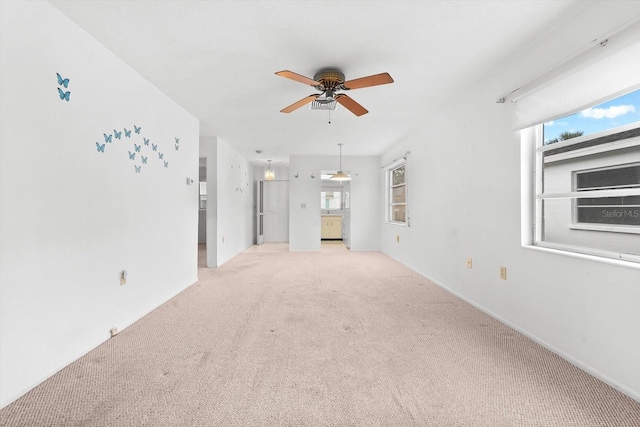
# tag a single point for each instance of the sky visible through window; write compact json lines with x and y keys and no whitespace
{"x":608,"y":115}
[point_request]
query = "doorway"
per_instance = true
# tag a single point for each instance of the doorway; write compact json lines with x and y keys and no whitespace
{"x":335,"y":210}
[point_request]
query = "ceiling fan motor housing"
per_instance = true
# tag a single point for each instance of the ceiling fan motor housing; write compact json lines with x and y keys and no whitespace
{"x":331,"y":80}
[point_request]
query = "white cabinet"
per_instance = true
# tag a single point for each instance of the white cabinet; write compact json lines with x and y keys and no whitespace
{"x":331,"y":227}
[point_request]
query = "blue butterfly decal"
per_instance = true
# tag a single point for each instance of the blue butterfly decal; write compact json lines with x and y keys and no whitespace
{"x":127,"y":133}
{"x":166,"y":164}
{"x":100,"y":148}
{"x":137,"y":147}
{"x":154,"y":147}
{"x":136,"y":128}
{"x":61,"y":81}
{"x":144,"y":159}
{"x":107,"y":138}
{"x":137,"y":168}
{"x":177,"y":140}
{"x":117,"y":134}
{"x":132,"y":156}
{"x":146,"y":141}
{"x":64,"y":95}
{"x":161,"y":155}
{"x":177,"y":146}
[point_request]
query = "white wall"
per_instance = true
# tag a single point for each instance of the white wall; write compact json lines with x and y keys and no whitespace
{"x":230,"y":201}
{"x":71,"y":217}
{"x":304,"y":229}
{"x":464,"y":200}
{"x":235,"y":203}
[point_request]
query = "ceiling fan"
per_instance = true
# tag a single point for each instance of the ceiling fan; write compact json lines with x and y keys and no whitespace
{"x":329,"y":81}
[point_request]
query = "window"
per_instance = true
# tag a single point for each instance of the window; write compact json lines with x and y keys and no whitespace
{"x":623,"y":210}
{"x":587,"y":181}
{"x":330,"y":200}
{"x":397,"y":194}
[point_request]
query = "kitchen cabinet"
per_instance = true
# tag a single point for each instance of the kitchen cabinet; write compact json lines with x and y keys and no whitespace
{"x":331,"y":227}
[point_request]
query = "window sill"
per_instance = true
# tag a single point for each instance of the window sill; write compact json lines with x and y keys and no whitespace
{"x":607,"y":228}
{"x":398,"y":224}
{"x":596,"y":258}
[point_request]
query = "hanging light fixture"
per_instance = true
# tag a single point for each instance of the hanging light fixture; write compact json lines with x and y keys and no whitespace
{"x":269,"y":174}
{"x":340,"y":176}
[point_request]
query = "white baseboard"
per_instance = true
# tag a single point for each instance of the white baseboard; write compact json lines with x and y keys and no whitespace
{"x":635,"y":395}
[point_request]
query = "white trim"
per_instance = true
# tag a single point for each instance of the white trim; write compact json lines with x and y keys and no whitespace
{"x":612,"y":228}
{"x":621,"y":192}
{"x":596,"y":254}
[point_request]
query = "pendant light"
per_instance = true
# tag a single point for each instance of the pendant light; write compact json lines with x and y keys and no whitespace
{"x":340,"y":176}
{"x":269,"y":174}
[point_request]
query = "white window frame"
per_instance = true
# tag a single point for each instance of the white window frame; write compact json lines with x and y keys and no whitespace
{"x":612,"y":228}
{"x":389,"y":193}
{"x":532,"y":187}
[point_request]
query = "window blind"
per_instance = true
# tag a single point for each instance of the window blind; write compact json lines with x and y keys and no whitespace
{"x":604,"y":71}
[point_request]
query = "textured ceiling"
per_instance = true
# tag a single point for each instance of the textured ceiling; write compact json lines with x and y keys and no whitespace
{"x":218,"y":58}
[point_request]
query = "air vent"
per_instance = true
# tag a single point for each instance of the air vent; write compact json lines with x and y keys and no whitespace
{"x":324,"y":104}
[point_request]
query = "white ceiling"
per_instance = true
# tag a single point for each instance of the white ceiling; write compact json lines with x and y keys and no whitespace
{"x":218,"y":58}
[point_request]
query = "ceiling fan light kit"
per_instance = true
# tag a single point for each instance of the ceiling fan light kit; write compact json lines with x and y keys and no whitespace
{"x":329,"y":81}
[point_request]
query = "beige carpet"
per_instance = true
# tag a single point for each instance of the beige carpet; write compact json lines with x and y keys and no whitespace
{"x":329,"y":338}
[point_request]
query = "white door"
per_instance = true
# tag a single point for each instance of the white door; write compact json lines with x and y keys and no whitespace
{"x":276,"y":211}
{"x":260,"y":212}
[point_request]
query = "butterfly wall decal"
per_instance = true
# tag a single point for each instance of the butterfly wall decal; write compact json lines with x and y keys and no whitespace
{"x":146,"y":141}
{"x":177,"y":140}
{"x":138,"y":168}
{"x":137,"y":147}
{"x":154,"y":147}
{"x":61,"y":81}
{"x":100,"y":148}
{"x":177,"y":146}
{"x":107,"y":138}
{"x":137,"y":129}
{"x":117,"y":134}
{"x":132,"y":156}
{"x":64,"y":95}
{"x":161,"y":155}
{"x":127,"y":133}
{"x":166,"y":164}
{"x":144,"y":159}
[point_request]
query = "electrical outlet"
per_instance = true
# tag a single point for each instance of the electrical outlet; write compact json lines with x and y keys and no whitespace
{"x":222,"y":239}
{"x":469,"y":262}
{"x":123,"y":277}
{"x":503,"y":273}
{"x":397,"y":238}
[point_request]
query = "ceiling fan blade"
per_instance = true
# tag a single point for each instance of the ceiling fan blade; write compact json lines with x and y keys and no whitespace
{"x":375,"y":80}
{"x":351,"y":105}
{"x":299,"y":104}
{"x":297,"y":77}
